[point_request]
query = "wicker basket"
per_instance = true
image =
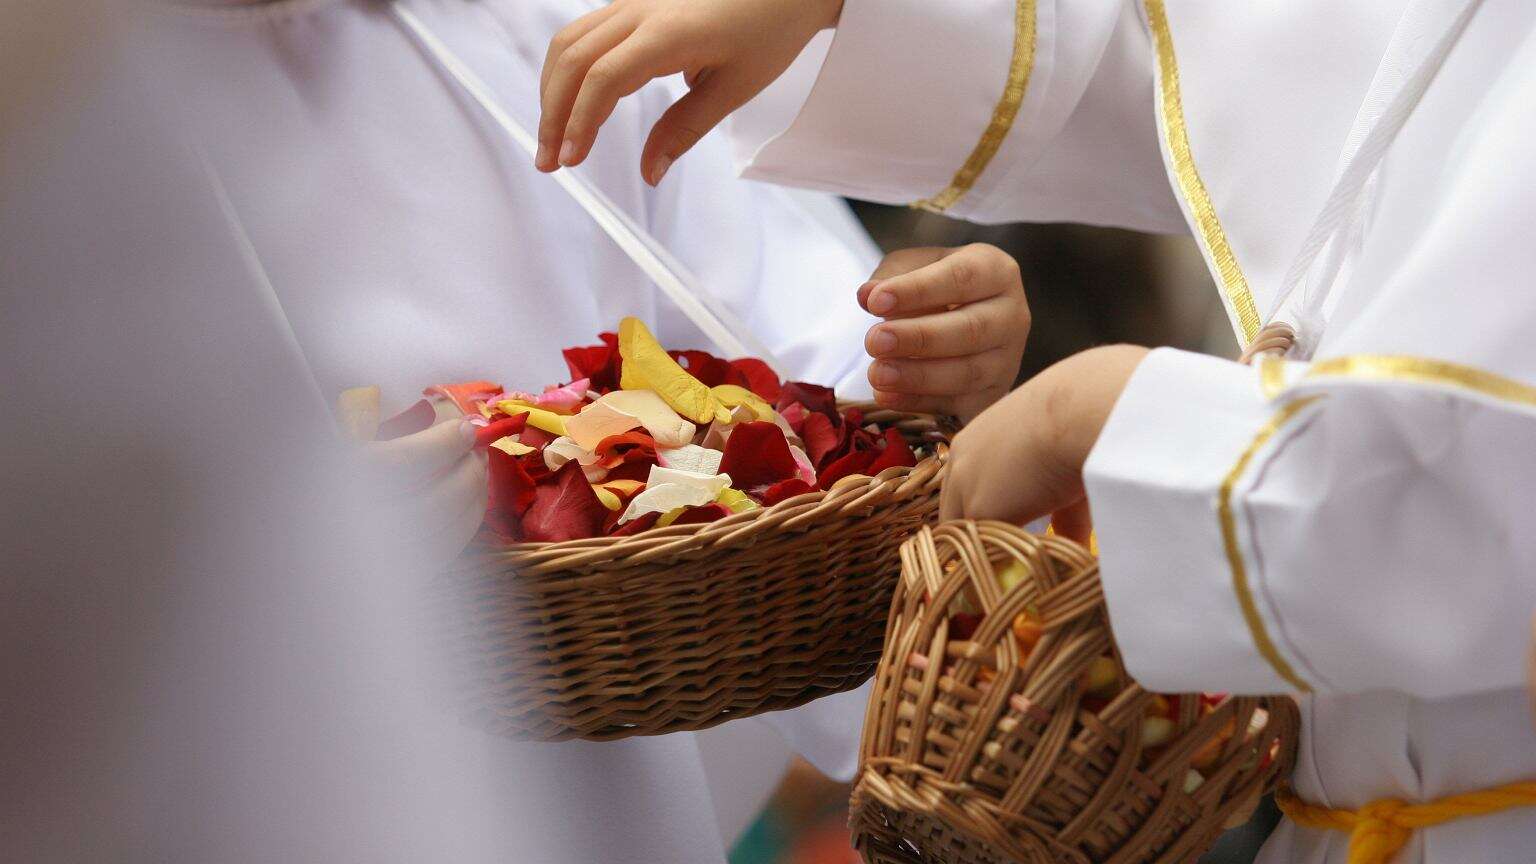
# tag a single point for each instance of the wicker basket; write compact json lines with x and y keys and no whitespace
{"x":684,"y":627}
{"x":972,"y":757}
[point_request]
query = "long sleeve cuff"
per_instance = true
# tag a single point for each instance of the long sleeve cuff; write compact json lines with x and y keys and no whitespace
{"x":918,"y":101}
{"x":1154,"y":481}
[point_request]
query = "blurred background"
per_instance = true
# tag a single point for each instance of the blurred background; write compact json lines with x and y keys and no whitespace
{"x":1087,"y":286}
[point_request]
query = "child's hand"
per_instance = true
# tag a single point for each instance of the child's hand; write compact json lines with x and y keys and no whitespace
{"x":955,"y":328}
{"x":1023,"y":457}
{"x":727,"y":50}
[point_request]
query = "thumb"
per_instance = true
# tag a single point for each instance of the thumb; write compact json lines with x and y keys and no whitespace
{"x":716,"y":95}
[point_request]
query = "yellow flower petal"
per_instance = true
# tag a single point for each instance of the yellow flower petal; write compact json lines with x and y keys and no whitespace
{"x":610,"y":500}
{"x":509,"y":445}
{"x":670,"y":516}
{"x":647,"y":366}
{"x":731,"y":395}
{"x":538,"y":418}
{"x":736,"y":500}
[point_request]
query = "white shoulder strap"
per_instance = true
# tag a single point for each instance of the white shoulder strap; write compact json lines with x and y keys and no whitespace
{"x":1419,"y":45}
{"x":705,"y":311}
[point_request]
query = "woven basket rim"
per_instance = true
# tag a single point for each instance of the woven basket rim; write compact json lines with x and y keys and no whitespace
{"x":846,"y":495}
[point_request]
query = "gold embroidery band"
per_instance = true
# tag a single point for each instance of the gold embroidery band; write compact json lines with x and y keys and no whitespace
{"x":1019,"y":67}
{"x":1240,"y":587}
{"x":1170,"y":102}
{"x":1423,"y":370}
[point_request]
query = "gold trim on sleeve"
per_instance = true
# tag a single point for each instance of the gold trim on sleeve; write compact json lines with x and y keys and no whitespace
{"x":1423,"y":370}
{"x":1170,"y":103}
{"x":1271,"y":376}
{"x":1240,"y":586}
{"x":1019,"y":67}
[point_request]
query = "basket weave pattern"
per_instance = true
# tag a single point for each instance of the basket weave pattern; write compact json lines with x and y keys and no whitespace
{"x":971,"y":756}
{"x":684,"y":627}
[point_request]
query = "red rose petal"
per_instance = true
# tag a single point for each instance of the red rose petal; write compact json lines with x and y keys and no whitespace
{"x":760,"y":378}
{"x":496,"y":430}
{"x":512,"y":491}
{"x":702,"y":514}
{"x":599,"y":363}
{"x":757,"y":454}
{"x":465,"y":395}
{"x":896,"y":453}
{"x":417,"y":418}
{"x":533,"y":436}
{"x":564,"y":508}
{"x":784,"y":490}
{"x":857,"y":462}
{"x":820,"y":438}
{"x":813,"y":396}
{"x":709,"y":369}
{"x":639,"y":469}
{"x":636,"y":525}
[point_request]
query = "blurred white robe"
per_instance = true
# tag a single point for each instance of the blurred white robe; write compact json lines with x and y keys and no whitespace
{"x":409,"y":243}
{"x":1375,"y":547}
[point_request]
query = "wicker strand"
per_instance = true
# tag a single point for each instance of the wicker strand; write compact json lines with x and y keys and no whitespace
{"x":975,"y":753}
{"x":685,"y":627}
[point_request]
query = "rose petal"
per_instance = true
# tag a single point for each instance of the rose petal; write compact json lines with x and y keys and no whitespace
{"x":813,"y":396}
{"x":736,"y":501}
{"x":647,"y":366}
{"x":650,"y":410}
{"x":807,"y":471}
{"x":821,"y":438}
{"x":668,"y":489}
{"x":709,"y":369}
{"x":784,"y":490}
{"x":512,"y":492}
{"x":694,"y":515}
{"x":538,"y":418}
{"x":565,"y":509}
{"x":465,"y":395}
{"x":511,"y":446}
{"x":732,"y":396}
{"x":857,"y":462}
{"x":757,"y":454}
{"x":634,"y":526}
{"x":499,"y":429}
{"x":896,"y":453}
{"x":690,"y":457}
{"x":760,"y":377}
{"x":599,"y":364}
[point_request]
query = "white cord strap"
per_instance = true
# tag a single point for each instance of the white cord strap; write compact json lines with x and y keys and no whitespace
{"x":705,"y":311}
{"x":1428,"y":31}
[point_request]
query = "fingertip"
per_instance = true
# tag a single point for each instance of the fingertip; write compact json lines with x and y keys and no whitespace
{"x":881,"y":300}
{"x":659,"y":167}
{"x":863,"y":293}
{"x":568,"y":153}
{"x":467,"y":430}
{"x":881,"y":341}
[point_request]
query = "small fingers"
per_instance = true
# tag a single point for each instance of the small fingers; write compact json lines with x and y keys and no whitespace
{"x":948,"y":376}
{"x":618,"y":73}
{"x":565,"y":77}
{"x":964,"y":275}
{"x":442,"y":504}
{"x":689,"y":119}
{"x":970,"y":329}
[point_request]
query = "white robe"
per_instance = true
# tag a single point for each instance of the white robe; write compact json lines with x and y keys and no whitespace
{"x":1373,"y":548}
{"x":409,"y":243}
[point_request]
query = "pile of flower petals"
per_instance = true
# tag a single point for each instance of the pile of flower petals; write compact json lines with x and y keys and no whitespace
{"x":642,"y":437}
